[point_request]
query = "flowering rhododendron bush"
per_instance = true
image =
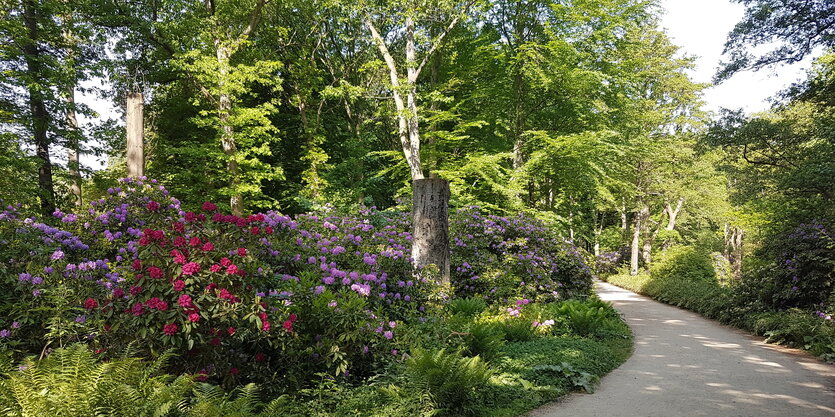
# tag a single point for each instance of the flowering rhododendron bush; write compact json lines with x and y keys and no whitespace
{"x":263,"y":297}
{"x":505,"y":258}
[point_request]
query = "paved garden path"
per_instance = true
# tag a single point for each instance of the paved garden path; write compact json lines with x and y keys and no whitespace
{"x":685,"y":365}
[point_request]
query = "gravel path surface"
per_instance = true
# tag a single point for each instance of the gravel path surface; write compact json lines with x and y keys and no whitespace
{"x":685,"y":365}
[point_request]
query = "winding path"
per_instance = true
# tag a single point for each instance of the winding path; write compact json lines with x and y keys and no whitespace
{"x":685,"y":365}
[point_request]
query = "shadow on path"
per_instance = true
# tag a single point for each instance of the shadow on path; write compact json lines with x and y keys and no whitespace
{"x":686,"y":365}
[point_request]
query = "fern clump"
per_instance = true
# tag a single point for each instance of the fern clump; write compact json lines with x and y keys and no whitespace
{"x":452,"y":380}
{"x":585,"y":318}
{"x":468,"y":307}
{"x":484,"y":339}
{"x":72,"y":382}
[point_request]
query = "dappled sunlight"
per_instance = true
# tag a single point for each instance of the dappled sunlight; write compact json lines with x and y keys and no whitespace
{"x":684,"y":365}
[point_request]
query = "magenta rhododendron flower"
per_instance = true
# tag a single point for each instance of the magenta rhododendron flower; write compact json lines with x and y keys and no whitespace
{"x":208,"y":247}
{"x":179,"y":285}
{"x":157,"y":304}
{"x":191,"y":268}
{"x":194,"y":317}
{"x":90,"y":304}
{"x":194,"y":242}
{"x":208,"y":206}
{"x":137,"y":309}
{"x":153,"y":206}
{"x":155,"y":272}
{"x":185,"y":301}
{"x":170,"y":329}
{"x":241,"y":251}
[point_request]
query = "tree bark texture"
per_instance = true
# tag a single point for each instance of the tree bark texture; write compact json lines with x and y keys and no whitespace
{"x":734,"y":237}
{"x":430,"y":241}
{"x":134,"y":124}
{"x":37,"y":106}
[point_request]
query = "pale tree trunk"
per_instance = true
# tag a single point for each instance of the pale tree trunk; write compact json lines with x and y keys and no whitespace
{"x":430,"y":197}
{"x":626,"y":234}
{"x":635,"y":245}
{"x":518,"y":120}
{"x":647,"y":236}
{"x":134,"y":126}
{"x":734,"y":237}
{"x":227,"y":131}
{"x":430,"y":243}
{"x":571,"y":219}
{"x":672,"y":213}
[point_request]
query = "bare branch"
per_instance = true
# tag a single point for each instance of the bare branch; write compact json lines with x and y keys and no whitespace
{"x":384,"y":50}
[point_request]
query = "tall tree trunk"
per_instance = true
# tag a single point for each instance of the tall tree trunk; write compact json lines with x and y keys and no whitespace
{"x":430,"y":198}
{"x":597,"y":228}
{"x":635,"y":245}
{"x":134,"y":124}
{"x":37,"y":106}
{"x":73,"y":147}
{"x":73,"y":132}
{"x":672,"y":213}
{"x":648,"y":237}
{"x":626,"y":236}
{"x":411,"y":98}
{"x":227,"y":131}
{"x":734,"y":237}
{"x":518,"y":119}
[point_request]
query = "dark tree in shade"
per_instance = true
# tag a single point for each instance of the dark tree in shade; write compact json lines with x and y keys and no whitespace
{"x":797,"y":26}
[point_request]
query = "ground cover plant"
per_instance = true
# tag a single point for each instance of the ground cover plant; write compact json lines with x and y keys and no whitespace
{"x":321,"y":311}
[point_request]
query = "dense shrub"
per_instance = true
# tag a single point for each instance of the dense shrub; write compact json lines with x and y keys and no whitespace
{"x":683,"y":262}
{"x":607,"y":263}
{"x":501,"y":259}
{"x":804,"y":275}
{"x":235,"y":296}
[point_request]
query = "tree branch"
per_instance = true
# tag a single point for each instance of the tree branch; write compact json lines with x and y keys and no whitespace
{"x":254,"y":18}
{"x":437,"y":42}
{"x":384,"y":50}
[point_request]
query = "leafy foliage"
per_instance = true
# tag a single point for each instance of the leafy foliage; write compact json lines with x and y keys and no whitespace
{"x":452,"y":380}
